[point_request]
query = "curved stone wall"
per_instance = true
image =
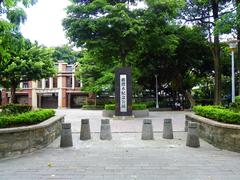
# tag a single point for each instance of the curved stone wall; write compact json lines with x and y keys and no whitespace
{"x":26,"y":139}
{"x":136,"y":113}
{"x":221,"y":135}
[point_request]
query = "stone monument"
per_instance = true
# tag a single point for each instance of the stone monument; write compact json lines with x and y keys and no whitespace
{"x":123,"y":93}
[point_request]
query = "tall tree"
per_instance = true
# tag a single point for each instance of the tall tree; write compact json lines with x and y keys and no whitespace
{"x":108,"y":30}
{"x":206,"y":13}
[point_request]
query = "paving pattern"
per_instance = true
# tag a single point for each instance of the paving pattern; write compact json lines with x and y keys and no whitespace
{"x":125,"y":157}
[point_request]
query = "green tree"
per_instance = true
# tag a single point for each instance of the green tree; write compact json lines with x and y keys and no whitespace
{"x":108,"y":30}
{"x":66,"y":53}
{"x":24,"y":62}
{"x":206,"y":14}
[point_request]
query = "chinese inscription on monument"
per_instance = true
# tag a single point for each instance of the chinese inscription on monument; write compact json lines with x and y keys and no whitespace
{"x":123,"y":93}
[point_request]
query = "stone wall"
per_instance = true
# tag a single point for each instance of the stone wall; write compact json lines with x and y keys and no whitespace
{"x":221,"y":135}
{"x":26,"y":139}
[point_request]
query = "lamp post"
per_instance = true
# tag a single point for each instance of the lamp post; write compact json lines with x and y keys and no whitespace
{"x":157,"y":106}
{"x":232,"y":45}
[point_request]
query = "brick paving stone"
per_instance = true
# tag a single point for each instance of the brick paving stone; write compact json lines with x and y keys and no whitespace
{"x":125,"y":157}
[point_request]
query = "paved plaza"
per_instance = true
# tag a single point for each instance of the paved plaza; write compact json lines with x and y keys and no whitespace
{"x":126,"y":156}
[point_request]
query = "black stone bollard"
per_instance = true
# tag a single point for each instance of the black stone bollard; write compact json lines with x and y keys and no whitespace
{"x":105,"y":131}
{"x":186,"y":126}
{"x":66,"y":135}
{"x":167,"y":129}
{"x":85,"y":130}
{"x":147,"y":130}
{"x":192,"y":135}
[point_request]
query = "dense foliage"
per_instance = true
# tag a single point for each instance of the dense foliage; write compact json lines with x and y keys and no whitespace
{"x":27,"y":118}
{"x":218,"y":113}
{"x":66,"y":53}
{"x":92,"y":107}
{"x":15,"y":108}
{"x":146,"y":39}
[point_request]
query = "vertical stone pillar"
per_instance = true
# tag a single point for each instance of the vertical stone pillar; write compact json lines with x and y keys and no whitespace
{"x":43,"y":84}
{"x":60,"y":84}
{"x":85,"y":133}
{"x":66,"y":135}
{"x":105,"y":131}
{"x":192,"y":135}
{"x":147,"y":130}
{"x":21,"y":85}
{"x":123,"y":92}
{"x":50,"y":82}
{"x":167,"y":129}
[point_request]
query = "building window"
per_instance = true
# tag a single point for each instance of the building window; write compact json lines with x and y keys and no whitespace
{"x":69,"y":81}
{"x":47,"y":83}
{"x":25,"y":85}
{"x":39,"y":84}
{"x":55,"y":82}
{"x":69,"y":68}
{"x":77,"y":83}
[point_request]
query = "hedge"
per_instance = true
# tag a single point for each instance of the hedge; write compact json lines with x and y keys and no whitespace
{"x":134,"y":106}
{"x":27,"y":118}
{"x":92,"y":107}
{"x":218,"y":113}
{"x":237,"y":99}
{"x":15,"y":108}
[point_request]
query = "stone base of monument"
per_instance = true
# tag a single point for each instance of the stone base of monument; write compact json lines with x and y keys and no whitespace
{"x":136,"y":113}
{"x":123,"y":117}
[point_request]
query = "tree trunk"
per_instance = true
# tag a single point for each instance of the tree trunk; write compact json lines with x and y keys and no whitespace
{"x":190,"y":98}
{"x":216,"y":51}
{"x":13,"y":94}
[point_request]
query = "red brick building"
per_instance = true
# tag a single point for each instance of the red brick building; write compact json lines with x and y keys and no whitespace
{"x":60,"y":91}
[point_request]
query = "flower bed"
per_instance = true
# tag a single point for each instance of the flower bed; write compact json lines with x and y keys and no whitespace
{"x":26,"y":139}
{"x":27,"y":118}
{"x":218,"y":113}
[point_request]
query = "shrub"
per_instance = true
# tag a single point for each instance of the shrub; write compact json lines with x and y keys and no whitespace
{"x":150,"y":104}
{"x":235,"y":106}
{"x":134,"y":106}
{"x":15,"y":108}
{"x":237,"y":99}
{"x":109,"y":107}
{"x":27,"y":118}
{"x":139,"y":106}
{"x":218,"y":113}
{"x":92,"y":107}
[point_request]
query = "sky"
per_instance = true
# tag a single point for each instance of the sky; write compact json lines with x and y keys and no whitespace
{"x":44,"y":22}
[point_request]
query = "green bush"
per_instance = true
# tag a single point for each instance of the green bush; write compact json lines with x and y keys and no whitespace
{"x":15,"y":108}
{"x":27,"y":118}
{"x":235,"y":106}
{"x":139,"y":106}
{"x":92,"y":107}
{"x":237,"y":99}
{"x":150,"y":104}
{"x":134,"y":106}
{"x":218,"y":113}
{"x":109,"y":107}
